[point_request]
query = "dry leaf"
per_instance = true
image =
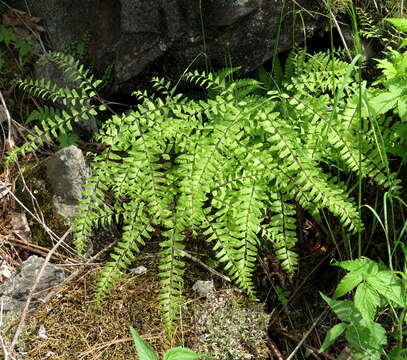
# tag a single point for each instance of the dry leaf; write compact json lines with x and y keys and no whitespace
{"x":14,"y":17}
{"x":5,"y":188}
{"x":20,"y":227}
{"x":25,"y":27}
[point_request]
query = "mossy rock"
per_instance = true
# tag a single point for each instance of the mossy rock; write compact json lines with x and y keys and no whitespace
{"x":33,"y":179}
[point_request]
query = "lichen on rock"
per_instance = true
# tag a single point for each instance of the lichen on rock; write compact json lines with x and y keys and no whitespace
{"x":228,"y":326}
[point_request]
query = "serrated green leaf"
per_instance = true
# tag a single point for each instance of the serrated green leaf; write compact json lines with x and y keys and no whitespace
{"x":344,"y":309}
{"x":332,"y":335}
{"x":398,"y":23}
{"x":390,"y":286}
{"x":367,"y":300}
{"x":143,"y":349}
{"x":362,"y":265}
{"x":6,"y":35}
{"x":348,"y":283}
{"x":366,"y":335}
{"x":402,"y":107}
{"x":180,"y":353}
{"x":386,"y":101}
{"x":24,"y":47}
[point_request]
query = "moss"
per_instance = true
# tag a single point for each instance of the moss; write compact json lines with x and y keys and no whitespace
{"x":77,"y":329}
{"x":226,"y":324}
{"x":34,"y":176}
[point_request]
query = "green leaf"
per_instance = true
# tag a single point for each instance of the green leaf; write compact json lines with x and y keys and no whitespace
{"x":397,"y":353}
{"x":366,"y":335}
{"x":390,"y":286}
{"x":66,"y":139}
{"x":344,"y":309}
{"x":362,"y":265}
{"x":332,"y":335}
{"x":180,"y":353}
{"x":367,"y":300}
{"x":348,"y":283}
{"x":35,"y":115}
{"x":6,"y":35}
{"x":367,"y":354}
{"x":398,"y":23}
{"x":386,"y":100}
{"x":402,"y":108}
{"x":143,"y":349}
{"x":24,"y":47}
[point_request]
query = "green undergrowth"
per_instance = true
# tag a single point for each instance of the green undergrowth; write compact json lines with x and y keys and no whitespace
{"x":235,"y":167}
{"x":18,"y":46}
{"x":375,"y":287}
{"x":230,"y":168}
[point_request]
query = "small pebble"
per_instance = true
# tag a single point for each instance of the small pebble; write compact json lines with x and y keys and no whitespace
{"x":139,"y":270}
{"x":5,"y":272}
{"x":42,"y":334}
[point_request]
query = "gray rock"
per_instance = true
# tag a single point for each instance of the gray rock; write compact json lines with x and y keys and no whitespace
{"x":170,"y":35}
{"x":203,"y":287}
{"x":15,"y":290}
{"x":66,"y":173}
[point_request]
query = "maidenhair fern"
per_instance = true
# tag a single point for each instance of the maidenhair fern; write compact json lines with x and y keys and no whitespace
{"x":230,"y":167}
{"x":78,"y":104}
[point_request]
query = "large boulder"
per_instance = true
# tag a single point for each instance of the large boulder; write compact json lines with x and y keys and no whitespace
{"x":167,"y":36}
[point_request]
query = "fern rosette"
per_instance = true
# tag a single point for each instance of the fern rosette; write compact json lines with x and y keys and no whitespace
{"x":219,"y":166}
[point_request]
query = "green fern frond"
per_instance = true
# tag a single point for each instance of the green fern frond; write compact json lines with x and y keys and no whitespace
{"x":93,"y":212}
{"x":281,"y":231}
{"x":78,"y":105}
{"x":247,"y":213}
{"x":314,"y":76}
{"x":172,"y":269}
{"x":42,"y":88}
{"x":75,"y":71}
{"x":135,"y":231}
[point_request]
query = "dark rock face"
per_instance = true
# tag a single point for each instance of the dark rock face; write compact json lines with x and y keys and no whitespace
{"x":136,"y":35}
